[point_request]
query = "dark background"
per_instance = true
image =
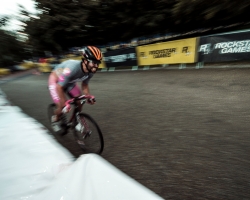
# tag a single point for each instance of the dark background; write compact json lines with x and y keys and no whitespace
{"x":127,"y":62}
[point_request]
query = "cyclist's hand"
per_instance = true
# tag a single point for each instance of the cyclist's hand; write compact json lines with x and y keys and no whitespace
{"x":66,"y":109}
{"x":91,"y":100}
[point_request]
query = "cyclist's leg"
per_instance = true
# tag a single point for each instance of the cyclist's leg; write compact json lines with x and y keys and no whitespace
{"x":74,"y":91}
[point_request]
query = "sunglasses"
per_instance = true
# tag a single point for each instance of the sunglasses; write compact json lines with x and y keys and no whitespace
{"x":94,"y":61}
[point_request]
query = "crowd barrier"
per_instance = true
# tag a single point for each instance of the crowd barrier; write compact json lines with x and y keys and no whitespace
{"x":34,"y":166}
{"x":217,"y":48}
{"x":179,"y":51}
{"x":227,"y":47}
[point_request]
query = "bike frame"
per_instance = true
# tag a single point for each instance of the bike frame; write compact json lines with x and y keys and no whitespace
{"x":77,"y":106}
{"x":86,"y":123}
{"x":76,"y":111}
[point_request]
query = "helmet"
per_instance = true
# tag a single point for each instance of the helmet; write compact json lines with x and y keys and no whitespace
{"x":92,"y":53}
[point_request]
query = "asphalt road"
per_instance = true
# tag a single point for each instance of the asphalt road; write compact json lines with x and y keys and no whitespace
{"x":184,"y":134}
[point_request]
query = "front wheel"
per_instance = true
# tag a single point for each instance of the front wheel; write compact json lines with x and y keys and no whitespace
{"x":88,"y":135}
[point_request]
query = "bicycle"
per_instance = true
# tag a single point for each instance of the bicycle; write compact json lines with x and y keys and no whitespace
{"x":87,"y":133}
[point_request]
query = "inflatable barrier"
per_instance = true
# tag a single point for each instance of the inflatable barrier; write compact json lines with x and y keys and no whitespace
{"x":35,"y":167}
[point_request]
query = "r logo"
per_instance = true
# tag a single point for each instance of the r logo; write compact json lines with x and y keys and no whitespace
{"x":185,"y":50}
{"x":143,"y":54}
{"x":205,"y":48}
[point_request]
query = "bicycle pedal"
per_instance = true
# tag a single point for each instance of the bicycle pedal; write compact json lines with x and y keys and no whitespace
{"x":56,"y":127}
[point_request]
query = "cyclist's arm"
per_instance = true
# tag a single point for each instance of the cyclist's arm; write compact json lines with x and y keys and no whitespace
{"x":85,"y":85}
{"x":85,"y":88}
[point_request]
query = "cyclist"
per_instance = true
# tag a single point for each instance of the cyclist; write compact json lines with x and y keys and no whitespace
{"x":64,"y":77}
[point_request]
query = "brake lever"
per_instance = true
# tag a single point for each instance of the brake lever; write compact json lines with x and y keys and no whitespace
{"x":91,"y":100}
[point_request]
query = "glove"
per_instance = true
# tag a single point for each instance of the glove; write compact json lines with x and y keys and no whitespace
{"x":66,"y":109}
{"x":91,"y":100}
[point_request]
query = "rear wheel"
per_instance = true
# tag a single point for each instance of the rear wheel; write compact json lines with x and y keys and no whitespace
{"x":60,"y":127}
{"x":88,"y":135}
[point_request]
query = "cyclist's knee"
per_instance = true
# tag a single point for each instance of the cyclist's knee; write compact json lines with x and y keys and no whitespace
{"x":58,"y":111}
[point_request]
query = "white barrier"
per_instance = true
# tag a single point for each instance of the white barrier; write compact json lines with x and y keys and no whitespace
{"x":34,"y":166}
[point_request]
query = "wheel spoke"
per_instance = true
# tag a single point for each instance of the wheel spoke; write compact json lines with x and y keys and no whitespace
{"x":90,"y":134}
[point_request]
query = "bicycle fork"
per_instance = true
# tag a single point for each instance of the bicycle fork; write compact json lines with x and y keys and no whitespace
{"x":85,"y":128}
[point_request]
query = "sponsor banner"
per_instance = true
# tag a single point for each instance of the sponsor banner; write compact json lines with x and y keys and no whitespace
{"x":223,"y":48}
{"x":179,"y":51}
{"x":120,"y":57}
{"x":103,"y":64}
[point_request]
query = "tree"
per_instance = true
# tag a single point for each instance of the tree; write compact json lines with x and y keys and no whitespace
{"x":58,"y":27}
{"x":3,"y":21}
{"x":99,"y":22}
{"x":11,"y":50}
{"x":203,"y":14}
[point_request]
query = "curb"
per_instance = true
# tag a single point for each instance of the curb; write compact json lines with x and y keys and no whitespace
{"x":134,"y":68}
{"x":16,"y":75}
{"x":176,"y":67}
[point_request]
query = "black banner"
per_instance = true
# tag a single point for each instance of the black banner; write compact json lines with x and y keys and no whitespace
{"x":223,"y":48}
{"x":120,"y":57}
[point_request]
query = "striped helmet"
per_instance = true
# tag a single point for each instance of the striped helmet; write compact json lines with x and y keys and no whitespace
{"x":92,"y":53}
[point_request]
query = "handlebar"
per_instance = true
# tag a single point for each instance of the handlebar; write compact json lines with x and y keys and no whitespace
{"x":89,"y":98}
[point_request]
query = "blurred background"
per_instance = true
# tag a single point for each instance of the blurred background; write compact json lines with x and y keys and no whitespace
{"x":44,"y":31}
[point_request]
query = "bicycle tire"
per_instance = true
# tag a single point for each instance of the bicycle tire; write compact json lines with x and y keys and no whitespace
{"x":51,"y":109}
{"x":93,"y":141}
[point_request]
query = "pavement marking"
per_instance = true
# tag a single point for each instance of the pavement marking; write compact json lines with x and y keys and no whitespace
{"x":135,"y":68}
{"x":104,"y":70}
{"x":199,"y":65}
{"x":111,"y":69}
{"x":182,"y":66}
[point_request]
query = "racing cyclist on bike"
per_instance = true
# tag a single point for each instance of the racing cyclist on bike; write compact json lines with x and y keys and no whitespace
{"x":64,"y":77}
